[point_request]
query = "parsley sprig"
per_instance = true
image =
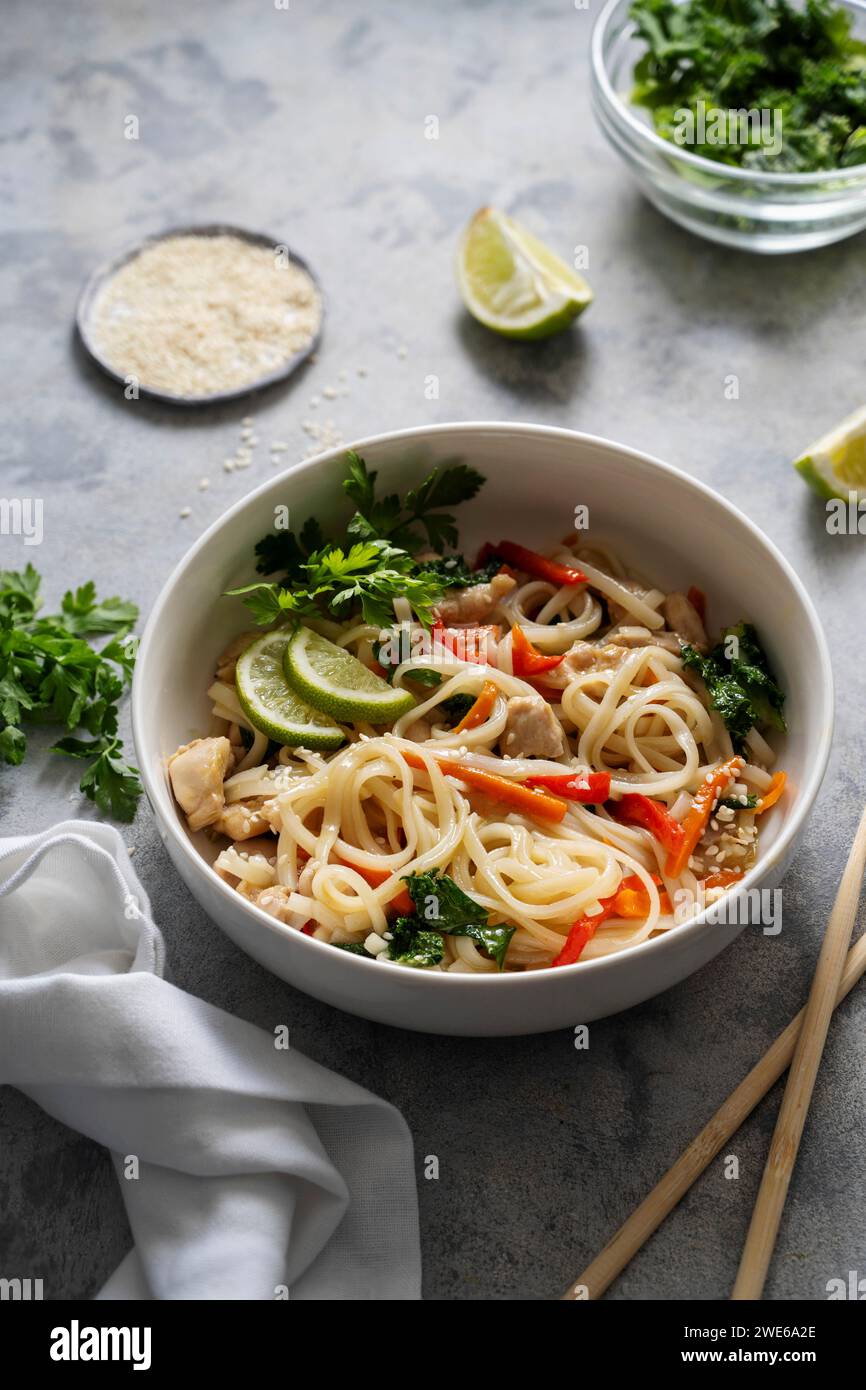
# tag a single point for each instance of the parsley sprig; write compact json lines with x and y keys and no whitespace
{"x":51,"y":674}
{"x":375,"y":562}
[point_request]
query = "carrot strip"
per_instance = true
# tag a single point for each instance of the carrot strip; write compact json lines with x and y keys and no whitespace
{"x":697,"y":818}
{"x":401,"y":902}
{"x":772,"y":794}
{"x":531,"y":801}
{"x":723,"y":879}
{"x":477,"y":713}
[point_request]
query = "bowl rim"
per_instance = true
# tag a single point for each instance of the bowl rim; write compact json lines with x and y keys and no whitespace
{"x":532,"y":979}
{"x":724,"y":172}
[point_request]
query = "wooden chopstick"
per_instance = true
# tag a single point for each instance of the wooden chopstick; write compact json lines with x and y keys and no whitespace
{"x":764,"y":1226}
{"x":646,"y":1218}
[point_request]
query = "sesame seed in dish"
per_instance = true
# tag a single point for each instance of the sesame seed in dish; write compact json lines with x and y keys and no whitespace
{"x":194,"y":315}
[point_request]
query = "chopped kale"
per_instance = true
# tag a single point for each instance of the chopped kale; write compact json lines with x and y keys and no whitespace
{"x":458,"y":705}
{"x":440,"y":901}
{"x":412,"y":946}
{"x":730,"y":58}
{"x":740,"y":683}
{"x":455,"y":573}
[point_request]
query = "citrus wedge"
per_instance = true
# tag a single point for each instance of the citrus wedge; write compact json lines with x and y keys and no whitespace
{"x":336,"y":682}
{"x":511,"y":282}
{"x":835,"y":465}
{"x":272,"y":705}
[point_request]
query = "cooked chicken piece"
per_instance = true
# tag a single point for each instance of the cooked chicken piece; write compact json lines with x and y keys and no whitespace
{"x":593,"y":656}
{"x":228,"y":658}
{"x":197,"y":771}
{"x":239,"y":748}
{"x":532,"y":730}
{"x":475,"y":604}
{"x":684,"y":618}
{"x":642,"y":637}
{"x":243,"y":819}
{"x":265,"y":845}
{"x":273,"y":900}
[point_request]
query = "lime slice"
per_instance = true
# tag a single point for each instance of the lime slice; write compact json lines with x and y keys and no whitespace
{"x":836,"y":464}
{"x":512,"y":283}
{"x":270,"y":703}
{"x":331,"y":679}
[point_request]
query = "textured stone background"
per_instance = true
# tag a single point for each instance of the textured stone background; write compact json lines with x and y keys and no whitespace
{"x":310,"y":124}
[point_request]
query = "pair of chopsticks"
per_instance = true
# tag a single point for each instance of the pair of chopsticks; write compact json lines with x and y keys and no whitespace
{"x":800,"y":1046}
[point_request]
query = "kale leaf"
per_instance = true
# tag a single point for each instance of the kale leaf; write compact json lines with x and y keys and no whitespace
{"x":439,"y":900}
{"x":740,"y":683}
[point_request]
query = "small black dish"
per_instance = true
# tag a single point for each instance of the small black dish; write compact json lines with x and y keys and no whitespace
{"x":100,"y":277}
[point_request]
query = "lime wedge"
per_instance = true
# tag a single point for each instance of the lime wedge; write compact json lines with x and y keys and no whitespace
{"x":333,"y":680}
{"x":512,"y":282}
{"x":270,"y":703}
{"x":836,"y":464}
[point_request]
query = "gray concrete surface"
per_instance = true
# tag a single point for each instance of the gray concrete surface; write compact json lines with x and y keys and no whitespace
{"x":310,"y":123}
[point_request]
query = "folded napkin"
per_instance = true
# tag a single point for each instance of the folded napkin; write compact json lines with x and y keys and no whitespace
{"x":260,"y":1174}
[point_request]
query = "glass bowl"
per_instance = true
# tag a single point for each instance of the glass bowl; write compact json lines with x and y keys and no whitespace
{"x":749,"y":209}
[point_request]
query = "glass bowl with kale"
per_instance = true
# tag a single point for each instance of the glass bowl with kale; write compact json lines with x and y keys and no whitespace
{"x":742,"y":120}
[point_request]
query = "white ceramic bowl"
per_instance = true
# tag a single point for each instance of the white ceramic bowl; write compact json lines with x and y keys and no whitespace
{"x":667,"y":525}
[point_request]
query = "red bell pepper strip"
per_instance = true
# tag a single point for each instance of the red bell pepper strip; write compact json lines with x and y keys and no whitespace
{"x":630,"y":900}
{"x":589,"y":787}
{"x":526,"y":659}
{"x":580,"y":934}
{"x":698,"y":816}
{"x":554,"y":571}
{"x":636,"y":809}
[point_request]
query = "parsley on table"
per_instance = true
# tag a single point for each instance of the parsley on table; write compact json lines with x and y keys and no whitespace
{"x":374,"y":563}
{"x":757,"y":55}
{"x":51,"y":674}
{"x":741,"y":687}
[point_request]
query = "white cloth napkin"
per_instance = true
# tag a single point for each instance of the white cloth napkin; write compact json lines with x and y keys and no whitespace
{"x":259,"y":1171}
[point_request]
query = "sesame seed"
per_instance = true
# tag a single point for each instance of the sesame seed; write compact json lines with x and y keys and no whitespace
{"x":203,"y":484}
{"x":185,"y":512}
